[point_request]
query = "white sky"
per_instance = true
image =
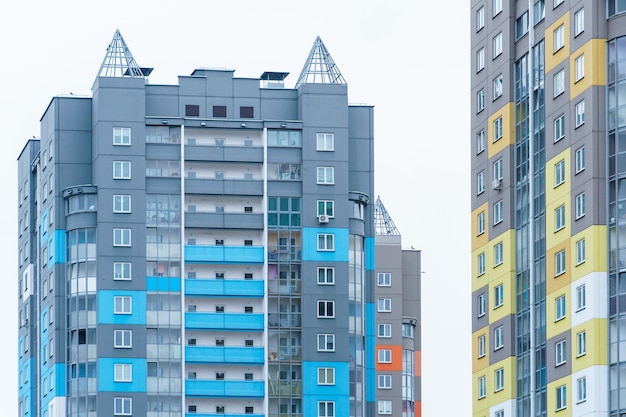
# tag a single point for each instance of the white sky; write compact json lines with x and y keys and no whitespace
{"x":396,"y":55}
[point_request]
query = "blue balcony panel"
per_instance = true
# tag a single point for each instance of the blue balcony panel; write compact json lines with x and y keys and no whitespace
{"x":224,"y":288}
{"x":224,"y":321}
{"x":224,"y":389}
{"x":224,"y":254}
{"x":219,"y":354}
{"x":222,"y":415}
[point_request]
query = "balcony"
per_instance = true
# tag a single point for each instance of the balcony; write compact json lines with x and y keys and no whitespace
{"x":224,"y":220}
{"x":222,"y":355}
{"x":224,"y":321}
{"x":287,"y":387}
{"x":223,"y":187}
{"x":224,"y":415}
{"x":223,"y":254}
{"x":223,"y":287}
{"x":224,"y":389}
{"x":214,"y":153}
{"x":283,"y":253}
{"x":284,"y":320}
{"x":284,"y":286}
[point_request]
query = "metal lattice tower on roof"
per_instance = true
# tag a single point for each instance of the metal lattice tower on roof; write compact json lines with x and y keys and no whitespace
{"x":383,"y":222}
{"x":119,"y":61}
{"x":320,"y":67}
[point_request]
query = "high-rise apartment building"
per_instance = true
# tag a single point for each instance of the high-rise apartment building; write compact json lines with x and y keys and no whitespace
{"x":548,"y":171}
{"x":205,"y":248}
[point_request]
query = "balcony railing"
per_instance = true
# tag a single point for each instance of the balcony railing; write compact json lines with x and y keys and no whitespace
{"x":224,"y":389}
{"x":284,"y":253}
{"x":224,"y":187}
{"x":212,"y":220}
{"x":224,"y":321}
{"x":238,"y":254}
{"x":224,"y":287}
{"x":224,"y":355}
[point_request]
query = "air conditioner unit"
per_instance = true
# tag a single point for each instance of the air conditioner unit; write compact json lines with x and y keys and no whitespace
{"x":496,"y":184}
{"x":322,"y":218}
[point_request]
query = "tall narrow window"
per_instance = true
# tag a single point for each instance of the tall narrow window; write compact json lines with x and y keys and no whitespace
{"x":580,"y":252}
{"x":498,"y":254}
{"x":559,"y":263}
{"x":481,"y":223}
{"x":581,"y":297}
{"x":559,"y":83}
{"x":480,"y":18}
{"x":579,"y":22}
{"x":580,"y":67}
{"x":561,"y":352}
{"x":580,"y":159}
{"x":581,"y":343}
{"x":497,"y":45}
{"x":481,"y":305}
{"x":559,"y":173}
{"x":480,"y":59}
{"x":497,"y":87}
{"x":480,"y":182}
{"x":581,"y":394}
{"x":497,"y":169}
{"x":580,"y":205}
{"x":559,"y":128}
{"x":497,"y":7}
{"x":481,"y":263}
{"x":499,"y":380}
{"x":498,"y":296}
{"x":498,"y":210}
{"x":482,"y":387}
{"x":497,"y":129}
{"x":559,"y":218}
{"x":580,"y":113}
{"x":559,"y":38}
{"x":481,"y":346}
{"x":480,"y":141}
{"x":560,"y":308}
{"x":480,"y":101}
{"x":498,"y":338}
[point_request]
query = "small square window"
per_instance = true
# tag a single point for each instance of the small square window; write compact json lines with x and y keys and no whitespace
{"x":325,"y":242}
{"x":192,"y":110}
{"x":325,"y":141}
{"x":384,"y":279}
{"x":122,"y":406}
{"x":384,"y":330}
{"x":122,"y":270}
{"x":121,"y":203}
{"x":326,"y":376}
{"x":121,"y":237}
{"x":123,"y":305}
{"x":123,"y":339}
{"x":246,"y":112}
{"x":325,"y":309}
{"x":219,"y":111}
{"x":326,"y":342}
{"x":326,"y":276}
{"x":121,"y":136}
{"x":384,"y":355}
{"x":384,"y":305}
{"x":123,"y":372}
{"x":326,"y":175}
{"x":121,"y":170}
{"x":384,"y":381}
{"x":326,"y":208}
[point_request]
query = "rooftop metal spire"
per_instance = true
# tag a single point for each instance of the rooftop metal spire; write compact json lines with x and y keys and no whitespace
{"x":119,"y":61}
{"x":383,"y":222}
{"x":320,"y":67}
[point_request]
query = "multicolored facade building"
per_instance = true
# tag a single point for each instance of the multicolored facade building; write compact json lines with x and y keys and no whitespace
{"x":548,"y":140}
{"x":205,"y":248}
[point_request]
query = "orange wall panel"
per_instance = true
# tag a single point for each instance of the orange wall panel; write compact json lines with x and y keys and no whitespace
{"x":396,"y":358}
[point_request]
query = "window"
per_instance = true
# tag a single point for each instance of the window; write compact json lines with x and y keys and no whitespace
{"x":559,"y":263}
{"x":497,"y":129}
{"x":481,"y":223}
{"x":580,"y":252}
{"x":481,"y":263}
{"x":498,"y":212}
{"x":559,"y":83}
{"x":326,"y":342}
{"x":497,"y":45}
{"x":192,"y":110}
{"x":123,"y":406}
{"x":580,"y":67}
{"x":581,"y":394}
{"x":497,"y":169}
{"x":561,"y":353}
{"x":123,"y":339}
{"x":480,"y":180}
{"x":559,"y":128}
{"x":498,"y":254}
{"x":122,"y":270}
{"x":580,"y":205}
{"x":384,"y":330}
{"x":384,"y":305}
{"x":560,"y":308}
{"x":121,"y":136}
{"x":497,"y":7}
{"x":498,"y":296}
{"x":557,"y":2}
{"x":325,"y":309}
{"x":326,"y":376}
{"x":384,"y":279}
{"x":521,"y":26}
{"x":325,"y":409}
{"x":482,"y":351}
{"x":123,"y":372}
{"x":498,"y":338}
{"x":482,"y":305}
{"x":480,"y":100}
{"x":581,"y":343}
{"x":325,"y":175}
{"x":246,"y":112}
{"x":580,"y":159}
{"x":123,"y":304}
{"x":559,"y":218}
{"x":497,"y":91}
{"x":384,"y":407}
{"x":559,"y":173}
{"x":384,"y":355}
{"x":219,"y":111}
{"x":121,"y":170}
{"x":325,"y":242}
{"x":325,"y":141}
{"x":482,"y":387}
{"x":580,"y":113}
{"x":499,"y":413}
{"x":121,"y":203}
{"x":559,"y":38}
{"x":408,"y":330}
{"x":579,"y":22}
{"x":326,"y":208}
{"x":480,"y":141}
{"x":480,"y":18}
{"x":121,"y":237}
{"x":499,"y":380}
{"x":480,"y":59}
{"x":561,"y":397}
{"x":581,"y":297}
{"x":326,"y":276}
{"x":384,"y":381}
{"x":249,"y":409}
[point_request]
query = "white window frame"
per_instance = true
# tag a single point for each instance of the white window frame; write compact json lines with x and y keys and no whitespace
{"x":384,"y":356}
{"x":559,"y":83}
{"x":498,"y":87}
{"x":325,"y":342}
{"x":497,"y":7}
{"x":557,"y":2}
{"x":497,"y":170}
{"x":580,"y":159}
{"x":123,"y":372}
{"x":480,"y":222}
{"x":559,"y":263}
{"x":561,"y":397}
{"x":499,"y":413}
{"x":497,"y":45}
{"x":581,"y":390}
{"x":326,"y":208}
{"x":122,"y":304}
{"x":122,"y":406}
{"x":325,"y":242}
{"x":326,"y":275}
{"x":559,"y":218}
{"x":482,"y":387}
{"x":581,"y":297}
{"x":384,"y":407}
{"x":480,"y":60}
{"x":480,"y":18}
{"x":480,"y":142}
{"x":560,"y":350}
{"x":325,"y":376}
{"x":580,"y":113}
{"x":384,"y":381}
{"x":482,"y":348}
{"x":580,"y":205}
{"x":498,"y":212}
{"x":384,"y":305}
{"x":579,"y":65}
{"x":121,"y":203}
{"x":498,"y":296}
{"x":498,"y":338}
{"x":581,"y":343}
{"x":499,"y":380}
{"x":581,"y":255}
{"x":123,"y":336}
{"x":122,"y":271}
{"x":326,"y":175}
{"x":480,"y":182}
{"x":384,"y":279}
{"x":498,"y":254}
{"x":559,"y":128}
{"x":121,"y":136}
{"x":579,"y":22}
{"x":559,"y":38}
{"x":481,"y":306}
{"x":482,"y":264}
{"x":121,"y":170}
{"x":325,"y":409}
{"x":325,"y":142}
{"x":559,"y":173}
{"x":560,"y":308}
{"x":325,"y":309}
{"x":384,"y":330}
{"x":497,"y":129}
{"x":122,"y":237}
{"x":480,"y":100}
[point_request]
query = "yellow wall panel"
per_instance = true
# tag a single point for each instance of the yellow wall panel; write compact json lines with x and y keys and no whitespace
{"x":558,"y":192}
{"x":555,"y":58}
{"x":509,"y":381}
{"x":483,"y":238}
{"x":595,"y":66}
{"x":555,"y":237}
{"x":551,"y":391}
{"x":595,"y":252}
{"x":554,"y":283}
{"x":508,"y":305}
{"x":479,"y":281}
{"x":596,"y":337}
{"x":506,"y":268}
{"x":479,"y":364}
{"x":506,"y":112}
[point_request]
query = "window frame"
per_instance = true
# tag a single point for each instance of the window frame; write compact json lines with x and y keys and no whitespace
{"x":498,"y":212}
{"x":480,"y":182}
{"x":559,"y":83}
{"x":124,"y":403}
{"x":497,"y":170}
{"x":323,"y":272}
{"x":480,"y":141}
{"x":123,"y":372}
{"x":498,"y":254}
{"x":384,"y":279}
{"x":481,"y":305}
{"x":559,"y":128}
{"x":482,"y":264}
{"x":325,"y":376}
{"x":559,"y":38}
{"x":580,"y":159}
{"x":559,"y":173}
{"x":561,"y":397}
{"x":480,"y":60}
{"x":482,"y":387}
{"x":559,"y":218}
{"x":480,"y":223}
{"x":323,"y":140}
{"x":579,"y":67}
{"x":560,"y":308}
{"x":581,"y":390}
{"x":480,"y":100}
{"x":497,"y":7}
{"x":327,"y":208}
{"x":325,"y":309}
{"x":384,"y":381}
{"x":498,"y":380}
{"x":580,"y":114}
{"x":482,"y":346}
{"x":122,"y":203}
{"x":123,"y":304}
{"x":560,"y":352}
{"x":323,"y":177}
{"x":384,"y":407}
{"x":581,"y":343}
{"x":498,"y":338}
{"x":122,"y":237}
{"x":498,"y":296}
{"x":122,"y":334}
{"x":497,"y":129}
{"x":119,"y":132}
{"x":560,"y":265}
{"x":384,"y":356}
{"x":324,"y":338}
{"x":325,"y":242}
{"x":122,"y":170}
{"x":122,"y":268}
{"x":384,"y":305}
{"x":580,"y":205}
{"x":581,"y":255}
{"x":581,"y":297}
{"x":579,"y":22}
{"x":498,"y":87}
{"x":480,"y":18}
{"x":384,"y":330}
{"x":497,"y":45}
